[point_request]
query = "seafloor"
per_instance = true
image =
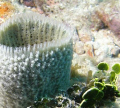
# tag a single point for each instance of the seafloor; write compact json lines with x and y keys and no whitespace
{"x":96,"y":24}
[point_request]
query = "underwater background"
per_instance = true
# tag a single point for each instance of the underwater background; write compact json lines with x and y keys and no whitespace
{"x":59,"y":54}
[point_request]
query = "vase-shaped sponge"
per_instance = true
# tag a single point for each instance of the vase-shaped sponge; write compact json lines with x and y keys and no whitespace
{"x":35,"y":59}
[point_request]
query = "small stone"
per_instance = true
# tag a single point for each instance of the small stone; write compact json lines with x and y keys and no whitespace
{"x":79,"y":48}
{"x":50,"y":2}
{"x":88,"y":47}
{"x":115,"y":52}
{"x":73,"y":102}
{"x":84,"y":36}
{"x":118,"y":55}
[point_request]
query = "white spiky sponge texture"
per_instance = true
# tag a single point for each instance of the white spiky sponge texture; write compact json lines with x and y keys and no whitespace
{"x":35,"y":59}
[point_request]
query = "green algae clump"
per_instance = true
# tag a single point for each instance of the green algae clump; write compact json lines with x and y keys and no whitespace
{"x":116,"y":68}
{"x":103,"y":66}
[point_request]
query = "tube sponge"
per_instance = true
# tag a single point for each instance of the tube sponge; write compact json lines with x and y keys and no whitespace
{"x":35,"y":59}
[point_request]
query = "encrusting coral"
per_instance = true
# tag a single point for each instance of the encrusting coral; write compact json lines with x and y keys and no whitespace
{"x":35,"y":59}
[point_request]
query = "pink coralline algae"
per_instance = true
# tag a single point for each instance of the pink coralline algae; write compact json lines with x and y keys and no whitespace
{"x":29,"y":3}
{"x":110,"y":15}
{"x":39,"y":4}
{"x":114,"y":25}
